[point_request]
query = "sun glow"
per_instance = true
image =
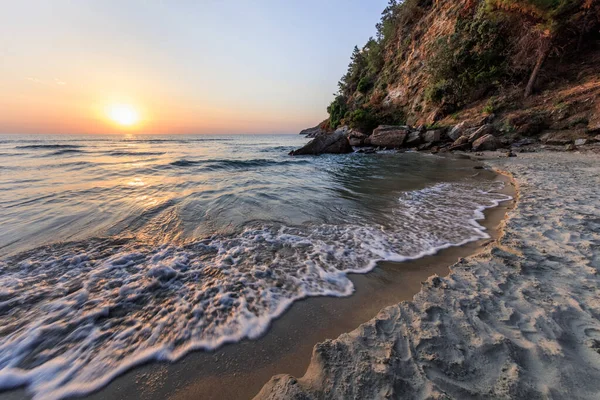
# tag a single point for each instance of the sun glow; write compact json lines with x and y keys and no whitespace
{"x":123,"y":115}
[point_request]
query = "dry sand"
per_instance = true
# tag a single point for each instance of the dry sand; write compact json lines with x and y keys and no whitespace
{"x":520,"y":320}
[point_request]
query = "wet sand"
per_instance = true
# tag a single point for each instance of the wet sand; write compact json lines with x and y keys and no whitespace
{"x":239,"y":371}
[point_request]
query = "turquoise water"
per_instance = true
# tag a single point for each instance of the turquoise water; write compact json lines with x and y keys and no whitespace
{"x":116,"y":250}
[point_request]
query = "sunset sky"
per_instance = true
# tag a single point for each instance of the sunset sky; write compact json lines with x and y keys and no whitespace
{"x":178,"y":66}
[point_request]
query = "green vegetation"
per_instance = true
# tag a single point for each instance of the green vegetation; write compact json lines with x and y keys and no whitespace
{"x":493,"y":44}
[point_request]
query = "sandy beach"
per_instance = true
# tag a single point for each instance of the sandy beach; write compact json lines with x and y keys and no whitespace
{"x":520,"y":320}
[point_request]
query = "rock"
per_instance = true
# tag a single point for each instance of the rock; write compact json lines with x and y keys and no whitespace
{"x":413,"y":139}
{"x":594,"y":120}
{"x":462,"y":143}
{"x":389,"y":136}
{"x":313,"y":132}
{"x":570,"y":147}
{"x":425,"y":146}
{"x":480,"y":132}
{"x":433,"y":136}
{"x":333,"y":143}
{"x":580,"y":142}
{"x":562,"y":137}
{"x":486,"y":143}
{"x":457,"y":131}
{"x":596,"y":138}
{"x":356,"y":138}
{"x":344,"y":129}
{"x":510,"y":154}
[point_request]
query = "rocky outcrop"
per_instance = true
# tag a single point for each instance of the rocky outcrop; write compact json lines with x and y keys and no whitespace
{"x":333,"y":143}
{"x":313,"y":132}
{"x":389,"y":136}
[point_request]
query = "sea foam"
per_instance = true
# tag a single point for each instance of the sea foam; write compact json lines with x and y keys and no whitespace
{"x":76,"y":315}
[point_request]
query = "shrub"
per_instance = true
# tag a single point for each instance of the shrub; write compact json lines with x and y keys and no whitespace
{"x":337,"y":109}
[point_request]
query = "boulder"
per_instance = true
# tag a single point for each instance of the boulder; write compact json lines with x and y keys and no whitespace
{"x":313,"y":132}
{"x":333,"y":143}
{"x":413,"y":139}
{"x":580,"y":142}
{"x":462,"y":143}
{"x":356,"y":138}
{"x":486,"y":143}
{"x":457,"y":131}
{"x":487,"y":129}
{"x":389,"y":136}
{"x":433,"y":136}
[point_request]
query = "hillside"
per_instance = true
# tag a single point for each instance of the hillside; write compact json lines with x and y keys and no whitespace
{"x":531,"y":65}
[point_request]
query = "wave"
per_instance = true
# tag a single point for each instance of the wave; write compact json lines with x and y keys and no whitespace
{"x":118,"y":153}
{"x":66,"y":151}
{"x":48,"y":146}
{"x":234,"y":164}
{"x":76,"y":315}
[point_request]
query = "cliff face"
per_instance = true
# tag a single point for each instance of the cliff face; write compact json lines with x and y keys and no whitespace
{"x":433,"y":59}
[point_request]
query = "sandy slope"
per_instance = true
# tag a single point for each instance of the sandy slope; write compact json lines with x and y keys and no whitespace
{"x":521,"y":320}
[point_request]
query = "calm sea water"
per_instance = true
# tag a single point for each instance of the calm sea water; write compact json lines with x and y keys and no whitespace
{"x":116,"y":250}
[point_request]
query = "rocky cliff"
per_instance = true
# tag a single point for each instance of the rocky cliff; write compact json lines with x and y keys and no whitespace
{"x":531,"y":65}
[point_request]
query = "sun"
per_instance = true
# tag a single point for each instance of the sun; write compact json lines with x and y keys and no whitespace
{"x":123,"y":115}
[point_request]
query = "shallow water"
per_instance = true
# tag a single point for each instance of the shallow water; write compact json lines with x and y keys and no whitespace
{"x":117,"y":250}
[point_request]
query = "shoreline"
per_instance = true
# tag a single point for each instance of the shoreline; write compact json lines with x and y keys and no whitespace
{"x":239,"y":370}
{"x":519,"y":320}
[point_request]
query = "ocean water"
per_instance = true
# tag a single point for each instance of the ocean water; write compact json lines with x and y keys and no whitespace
{"x":118,"y":250}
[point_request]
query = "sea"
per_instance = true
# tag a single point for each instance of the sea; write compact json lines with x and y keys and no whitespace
{"x":125,"y":249}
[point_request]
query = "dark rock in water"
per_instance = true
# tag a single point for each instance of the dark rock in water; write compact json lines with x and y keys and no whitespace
{"x":486,"y":143}
{"x":482,"y":131}
{"x":413,"y":139}
{"x":313,"y":132}
{"x":389,"y":136}
{"x":333,"y":143}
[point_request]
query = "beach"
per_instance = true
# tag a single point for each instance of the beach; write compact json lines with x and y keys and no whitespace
{"x":239,"y":371}
{"x":519,"y":320}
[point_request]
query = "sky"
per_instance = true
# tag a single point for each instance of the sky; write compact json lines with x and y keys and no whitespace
{"x":180,"y":66}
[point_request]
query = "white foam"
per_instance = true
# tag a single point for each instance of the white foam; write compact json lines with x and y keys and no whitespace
{"x":83,"y":313}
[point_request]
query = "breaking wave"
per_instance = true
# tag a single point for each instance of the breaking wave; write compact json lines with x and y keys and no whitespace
{"x":74,"y":316}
